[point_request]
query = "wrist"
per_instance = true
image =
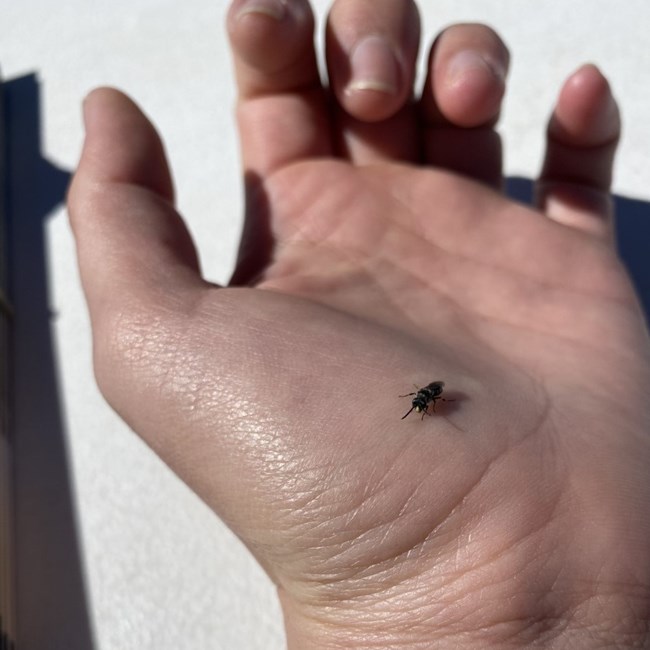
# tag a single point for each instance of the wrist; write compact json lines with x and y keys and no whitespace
{"x":595,"y":624}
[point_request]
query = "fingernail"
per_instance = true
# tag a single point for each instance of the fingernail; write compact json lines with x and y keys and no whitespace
{"x":273,"y":8}
{"x":468,"y":62}
{"x":374,"y":66}
{"x":604,"y":121}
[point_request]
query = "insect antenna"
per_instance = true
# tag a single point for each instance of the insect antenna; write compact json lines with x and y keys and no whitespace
{"x":412,"y":407}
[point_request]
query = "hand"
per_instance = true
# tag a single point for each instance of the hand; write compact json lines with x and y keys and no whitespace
{"x":378,"y":253}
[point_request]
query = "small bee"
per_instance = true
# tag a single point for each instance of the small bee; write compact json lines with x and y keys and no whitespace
{"x":426,"y":397}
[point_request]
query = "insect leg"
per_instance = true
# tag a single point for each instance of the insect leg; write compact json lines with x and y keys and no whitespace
{"x":425,"y":411}
{"x":407,"y":395}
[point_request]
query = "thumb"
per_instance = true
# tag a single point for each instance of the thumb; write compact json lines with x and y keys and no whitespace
{"x":131,"y":241}
{"x":136,"y":257}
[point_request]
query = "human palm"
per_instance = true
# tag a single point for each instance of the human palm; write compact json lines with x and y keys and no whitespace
{"x":515,"y":514}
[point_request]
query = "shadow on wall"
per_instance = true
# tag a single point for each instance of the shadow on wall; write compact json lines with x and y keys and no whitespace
{"x":51,"y":602}
{"x":632,"y":235}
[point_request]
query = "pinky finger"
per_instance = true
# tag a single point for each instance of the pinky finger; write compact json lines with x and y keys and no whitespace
{"x":582,"y":137}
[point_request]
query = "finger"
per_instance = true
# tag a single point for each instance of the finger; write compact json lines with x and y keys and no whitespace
{"x":582,"y":137}
{"x":281,"y":107}
{"x":133,"y":248}
{"x":371,"y":54}
{"x":461,"y":101}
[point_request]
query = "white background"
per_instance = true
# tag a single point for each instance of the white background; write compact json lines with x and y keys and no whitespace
{"x":160,"y":570}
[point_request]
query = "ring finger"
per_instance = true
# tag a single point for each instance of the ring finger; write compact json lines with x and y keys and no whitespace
{"x":461,"y":101}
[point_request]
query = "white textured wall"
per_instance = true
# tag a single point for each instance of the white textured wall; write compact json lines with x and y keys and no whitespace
{"x":161,"y":571}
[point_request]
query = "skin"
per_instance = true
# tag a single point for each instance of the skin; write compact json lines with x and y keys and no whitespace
{"x":378,"y":253}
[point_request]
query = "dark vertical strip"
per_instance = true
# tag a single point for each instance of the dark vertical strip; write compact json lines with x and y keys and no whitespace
{"x":51,"y":603}
{"x":7,"y":564}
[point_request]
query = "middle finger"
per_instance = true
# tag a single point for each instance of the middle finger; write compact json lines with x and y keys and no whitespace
{"x":372,"y":48}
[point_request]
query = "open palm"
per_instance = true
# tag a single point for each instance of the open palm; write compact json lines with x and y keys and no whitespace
{"x":375,"y":257}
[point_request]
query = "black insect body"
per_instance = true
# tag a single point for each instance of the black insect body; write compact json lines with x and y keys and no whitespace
{"x":426,"y":397}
